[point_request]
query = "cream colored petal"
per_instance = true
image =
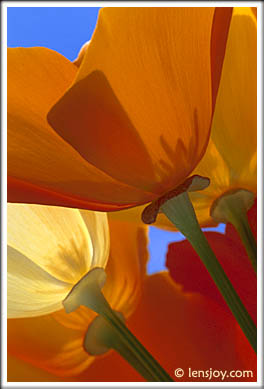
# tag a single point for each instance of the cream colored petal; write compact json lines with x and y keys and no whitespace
{"x":31,"y":291}
{"x":55,"y":238}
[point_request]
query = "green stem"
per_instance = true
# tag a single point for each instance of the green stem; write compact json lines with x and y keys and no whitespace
{"x":232,"y":208}
{"x":243,"y":228}
{"x":180,"y":212}
{"x":133,"y":361}
{"x":88,"y":292}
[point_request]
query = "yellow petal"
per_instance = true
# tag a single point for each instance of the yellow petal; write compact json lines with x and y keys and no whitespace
{"x":234,"y":129}
{"x":49,"y":250}
{"x":55,"y":341}
{"x":231,"y":157}
{"x":42,"y":167}
{"x":125,"y":269}
{"x":143,"y":97}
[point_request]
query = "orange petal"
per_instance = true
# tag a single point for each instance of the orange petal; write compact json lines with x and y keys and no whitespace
{"x":142,"y":102}
{"x":47,"y":344}
{"x":133,"y":215}
{"x":126,"y":267}
{"x":42,"y":167}
{"x":255,"y":11}
{"x":20,"y":371}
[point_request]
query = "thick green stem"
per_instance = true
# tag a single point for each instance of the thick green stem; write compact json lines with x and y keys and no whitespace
{"x":88,"y":292}
{"x":180,"y":212}
{"x":232,"y":208}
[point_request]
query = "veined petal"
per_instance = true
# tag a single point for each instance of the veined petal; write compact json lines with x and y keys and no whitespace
{"x":42,"y":167}
{"x":125,"y":269}
{"x":146,"y":98}
{"x":231,"y":157}
{"x":49,"y":250}
{"x":55,"y":238}
{"x":31,"y":290}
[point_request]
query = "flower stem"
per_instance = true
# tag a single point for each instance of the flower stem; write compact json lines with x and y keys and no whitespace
{"x":243,"y":228}
{"x":180,"y":212}
{"x":232,"y":208}
{"x":88,"y":292}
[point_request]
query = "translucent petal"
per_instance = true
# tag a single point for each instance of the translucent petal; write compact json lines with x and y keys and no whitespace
{"x":49,"y":250}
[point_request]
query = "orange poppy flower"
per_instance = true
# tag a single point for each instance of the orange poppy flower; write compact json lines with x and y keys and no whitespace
{"x":200,"y":335}
{"x":131,"y":123}
{"x":230,"y":160}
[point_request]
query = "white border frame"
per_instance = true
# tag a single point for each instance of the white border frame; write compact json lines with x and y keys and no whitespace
{"x":4,"y":6}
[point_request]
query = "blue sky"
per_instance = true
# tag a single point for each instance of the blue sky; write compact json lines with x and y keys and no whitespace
{"x":66,"y":29}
